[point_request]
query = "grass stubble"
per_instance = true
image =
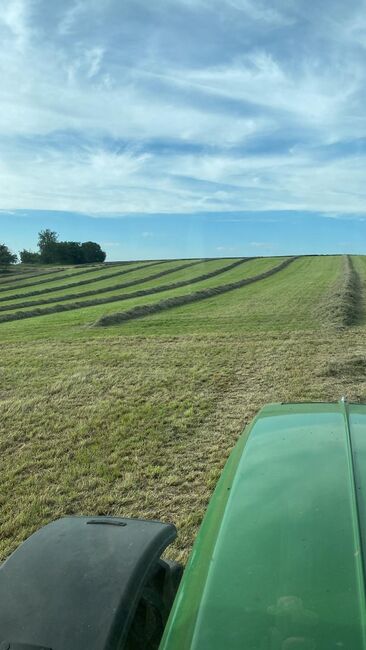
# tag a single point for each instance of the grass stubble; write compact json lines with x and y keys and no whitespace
{"x":142,"y":425}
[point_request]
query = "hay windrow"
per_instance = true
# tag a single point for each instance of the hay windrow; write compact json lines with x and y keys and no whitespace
{"x":136,"y":294}
{"x":352,"y":366}
{"x":177,"y":301}
{"x":70,"y":285}
{"x":341,"y":306}
{"x":69,"y":275}
{"x":167,"y":303}
{"x":15,"y":276}
{"x":56,"y":309}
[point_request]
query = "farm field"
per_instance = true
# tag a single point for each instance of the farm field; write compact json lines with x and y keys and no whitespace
{"x":138,"y":417}
{"x":119,"y":284}
{"x":86,"y":315}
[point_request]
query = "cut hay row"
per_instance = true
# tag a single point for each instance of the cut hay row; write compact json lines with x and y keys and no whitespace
{"x":95,"y":302}
{"x":70,"y":274}
{"x":145,"y":310}
{"x":341,"y":306}
{"x":135,"y":294}
{"x":20,"y":315}
{"x":70,"y":285}
{"x":15,"y":276}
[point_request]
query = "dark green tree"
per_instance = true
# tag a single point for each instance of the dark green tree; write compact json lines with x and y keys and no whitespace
{"x":53,"y":251}
{"x":28,"y":257}
{"x":6,"y":256}
{"x":47,"y":244}
{"x":69,"y":252}
{"x":92,"y":252}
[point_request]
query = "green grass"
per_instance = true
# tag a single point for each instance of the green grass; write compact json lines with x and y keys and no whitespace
{"x":16,"y":274}
{"x":98,"y":286}
{"x":22,"y":271}
{"x":43,"y":277}
{"x":285,"y":301}
{"x":71,"y":279}
{"x":87,"y":316}
{"x":138,"y":419}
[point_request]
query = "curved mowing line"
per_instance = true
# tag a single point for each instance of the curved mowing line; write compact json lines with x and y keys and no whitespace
{"x":70,"y":285}
{"x":51,"y":279}
{"x":341,"y":306}
{"x":135,"y":294}
{"x":146,"y":310}
{"x":20,"y":315}
{"x":23,"y":275}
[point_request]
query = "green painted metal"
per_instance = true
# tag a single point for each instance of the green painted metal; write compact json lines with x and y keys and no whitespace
{"x":278,"y":563}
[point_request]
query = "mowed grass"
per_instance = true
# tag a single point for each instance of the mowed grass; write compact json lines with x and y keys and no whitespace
{"x":76,"y":277}
{"x":142,"y":426}
{"x":285,"y":301}
{"x":17,"y":281}
{"x":15,"y":275}
{"x":60,"y":323}
{"x":98,"y":286}
{"x":24,"y":271}
{"x":138,"y":421}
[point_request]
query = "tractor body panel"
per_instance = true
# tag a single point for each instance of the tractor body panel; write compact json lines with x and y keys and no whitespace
{"x":278,"y":562}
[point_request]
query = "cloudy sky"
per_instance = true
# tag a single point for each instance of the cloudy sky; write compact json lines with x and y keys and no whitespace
{"x":184,"y":126}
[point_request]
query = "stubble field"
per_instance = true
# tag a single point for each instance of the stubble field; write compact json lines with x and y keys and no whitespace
{"x":136,"y":415}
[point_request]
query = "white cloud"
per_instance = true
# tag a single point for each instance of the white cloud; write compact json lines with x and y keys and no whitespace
{"x":85,"y":128}
{"x":227,"y":249}
{"x":261,"y":11}
{"x":14,"y":19}
{"x":96,"y":180}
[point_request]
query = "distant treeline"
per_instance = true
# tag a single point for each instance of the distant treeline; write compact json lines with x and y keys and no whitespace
{"x":53,"y":251}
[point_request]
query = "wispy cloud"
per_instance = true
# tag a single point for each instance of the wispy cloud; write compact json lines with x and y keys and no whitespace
{"x":174,"y":106}
{"x":261,"y":244}
{"x":227,"y":249}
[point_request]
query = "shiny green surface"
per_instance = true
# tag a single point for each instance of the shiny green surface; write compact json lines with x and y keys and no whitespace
{"x":278,"y":563}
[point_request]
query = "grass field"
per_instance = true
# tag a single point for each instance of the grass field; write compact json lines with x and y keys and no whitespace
{"x":138,"y":418}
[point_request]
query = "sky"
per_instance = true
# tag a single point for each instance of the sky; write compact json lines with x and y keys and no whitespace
{"x":184,"y":127}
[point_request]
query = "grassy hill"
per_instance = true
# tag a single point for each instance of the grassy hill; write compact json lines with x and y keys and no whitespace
{"x":137,"y":417}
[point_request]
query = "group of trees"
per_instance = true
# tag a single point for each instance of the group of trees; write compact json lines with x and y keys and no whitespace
{"x":6,"y":256}
{"x":53,"y":251}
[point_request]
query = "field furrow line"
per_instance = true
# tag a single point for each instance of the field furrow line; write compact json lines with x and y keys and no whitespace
{"x":146,"y":310}
{"x":135,"y":294}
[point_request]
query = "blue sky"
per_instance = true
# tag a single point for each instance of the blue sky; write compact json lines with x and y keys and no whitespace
{"x":184,"y":127}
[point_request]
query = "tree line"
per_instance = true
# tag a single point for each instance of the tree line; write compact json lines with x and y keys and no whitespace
{"x":53,"y":251}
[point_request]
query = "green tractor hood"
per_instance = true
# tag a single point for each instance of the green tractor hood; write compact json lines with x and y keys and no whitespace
{"x":279,"y":563}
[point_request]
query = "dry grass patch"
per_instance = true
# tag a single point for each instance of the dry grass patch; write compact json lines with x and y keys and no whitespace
{"x":142,"y":426}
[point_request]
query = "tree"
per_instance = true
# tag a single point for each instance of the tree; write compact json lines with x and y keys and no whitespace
{"x":28,"y":257}
{"x":52,"y":251}
{"x":6,"y":256}
{"x":47,"y":244}
{"x":92,"y":252}
{"x":69,"y":252}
